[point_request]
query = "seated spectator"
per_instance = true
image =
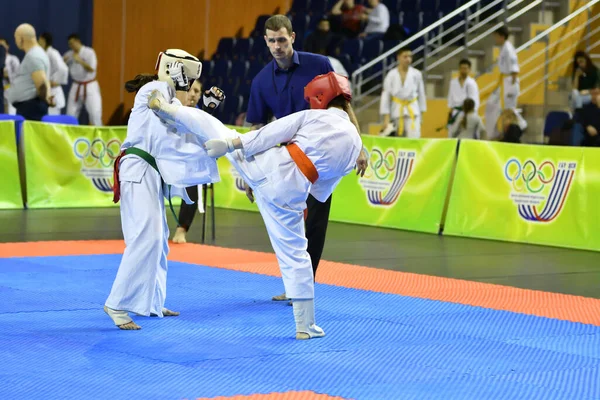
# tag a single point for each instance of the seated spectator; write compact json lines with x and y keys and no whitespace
{"x":346,"y":18}
{"x":511,"y":129}
{"x":468,"y":124}
{"x":585,"y":77}
{"x":563,"y":135}
{"x":590,"y":119}
{"x":378,"y":20}
{"x":319,"y":39}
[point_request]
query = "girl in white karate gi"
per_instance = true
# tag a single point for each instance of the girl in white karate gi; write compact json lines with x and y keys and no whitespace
{"x":140,"y":284}
{"x":403,"y":99}
{"x":323,"y":146}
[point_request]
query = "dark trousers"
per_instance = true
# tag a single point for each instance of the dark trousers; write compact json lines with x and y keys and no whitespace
{"x":187,"y":212}
{"x":32,"y":110}
{"x":316,"y":228}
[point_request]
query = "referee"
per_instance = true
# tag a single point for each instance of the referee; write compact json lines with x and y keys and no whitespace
{"x":277,"y":91}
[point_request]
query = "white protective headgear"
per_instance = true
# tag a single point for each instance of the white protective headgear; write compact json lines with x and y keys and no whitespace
{"x":192,"y":67}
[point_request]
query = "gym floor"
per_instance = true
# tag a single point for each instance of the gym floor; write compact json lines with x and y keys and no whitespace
{"x":512,"y":264}
{"x":406,"y":316}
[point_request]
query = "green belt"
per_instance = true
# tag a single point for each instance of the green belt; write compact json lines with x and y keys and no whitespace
{"x":152,"y":161}
{"x":451,"y":119}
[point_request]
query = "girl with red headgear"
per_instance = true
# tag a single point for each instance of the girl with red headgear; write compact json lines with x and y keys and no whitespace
{"x":323,"y":145}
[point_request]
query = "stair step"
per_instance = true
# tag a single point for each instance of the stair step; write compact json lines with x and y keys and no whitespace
{"x":476,"y":53}
{"x":552,"y":5}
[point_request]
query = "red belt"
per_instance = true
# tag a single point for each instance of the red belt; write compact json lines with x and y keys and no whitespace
{"x":116,"y":182}
{"x":84,"y":89}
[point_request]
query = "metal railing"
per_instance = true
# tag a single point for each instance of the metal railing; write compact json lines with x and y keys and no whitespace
{"x":475,"y":24}
{"x":553,"y":52}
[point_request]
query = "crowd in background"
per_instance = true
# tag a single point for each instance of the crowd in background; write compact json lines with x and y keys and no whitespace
{"x":33,"y":87}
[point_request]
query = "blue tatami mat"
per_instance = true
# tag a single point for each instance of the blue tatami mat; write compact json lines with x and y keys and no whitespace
{"x":230,"y":339}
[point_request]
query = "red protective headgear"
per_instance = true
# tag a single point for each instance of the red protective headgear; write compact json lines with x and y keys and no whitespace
{"x":324,"y":88}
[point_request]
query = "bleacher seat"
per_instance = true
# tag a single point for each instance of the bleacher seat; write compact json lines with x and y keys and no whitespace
{"x":244,"y":104}
{"x":447,"y":6}
{"x":321,"y":6}
{"x":244,"y":87}
{"x":220,"y":67}
{"x":301,"y":35}
{"x":225,"y":48}
{"x":300,"y":6}
{"x":230,"y":85}
{"x":389,"y":44}
{"x":411,"y":22}
{"x":353,"y":48}
{"x":409,"y":5}
{"x":428,"y":18}
{"x":258,"y":48}
{"x":393,"y":6}
{"x":243,"y":48}
{"x":300,"y":22}
{"x":211,"y":81}
{"x":371,"y":50}
{"x":60,"y":119}
{"x":429,"y":5}
{"x":239,"y":68}
{"x":259,"y":26}
{"x":352,"y":67}
{"x":555,"y":120}
{"x":313,"y":21}
{"x":254,"y":68}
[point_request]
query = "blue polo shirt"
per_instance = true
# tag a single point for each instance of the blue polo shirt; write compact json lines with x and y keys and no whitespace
{"x":280,"y":93}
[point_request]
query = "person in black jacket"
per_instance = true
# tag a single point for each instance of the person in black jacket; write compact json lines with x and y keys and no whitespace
{"x":590,"y":119}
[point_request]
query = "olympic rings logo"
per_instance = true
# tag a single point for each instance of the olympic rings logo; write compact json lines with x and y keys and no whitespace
{"x":382,"y":165}
{"x":97,"y":151}
{"x":529,"y":176}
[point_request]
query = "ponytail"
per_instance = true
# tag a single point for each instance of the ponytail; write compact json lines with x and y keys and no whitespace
{"x":468,"y":106}
{"x":350,"y":111}
{"x":341,"y":102}
{"x":140,"y":80}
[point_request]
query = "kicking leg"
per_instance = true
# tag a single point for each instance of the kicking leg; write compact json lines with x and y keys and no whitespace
{"x":193,"y":120}
{"x":286,"y":232}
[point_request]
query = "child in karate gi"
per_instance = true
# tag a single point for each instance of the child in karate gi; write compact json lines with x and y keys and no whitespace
{"x":323,"y":145}
{"x":155,"y":162}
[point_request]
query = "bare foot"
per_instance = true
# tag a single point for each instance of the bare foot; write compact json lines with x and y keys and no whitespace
{"x":130,"y":326}
{"x":179,"y":236}
{"x":281,"y":297}
{"x":169,"y":313}
{"x":122,"y":319}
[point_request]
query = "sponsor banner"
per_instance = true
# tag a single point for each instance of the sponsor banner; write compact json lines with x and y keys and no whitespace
{"x":522,"y":193}
{"x":10,"y":185}
{"x":70,"y":165}
{"x":405,"y":186}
